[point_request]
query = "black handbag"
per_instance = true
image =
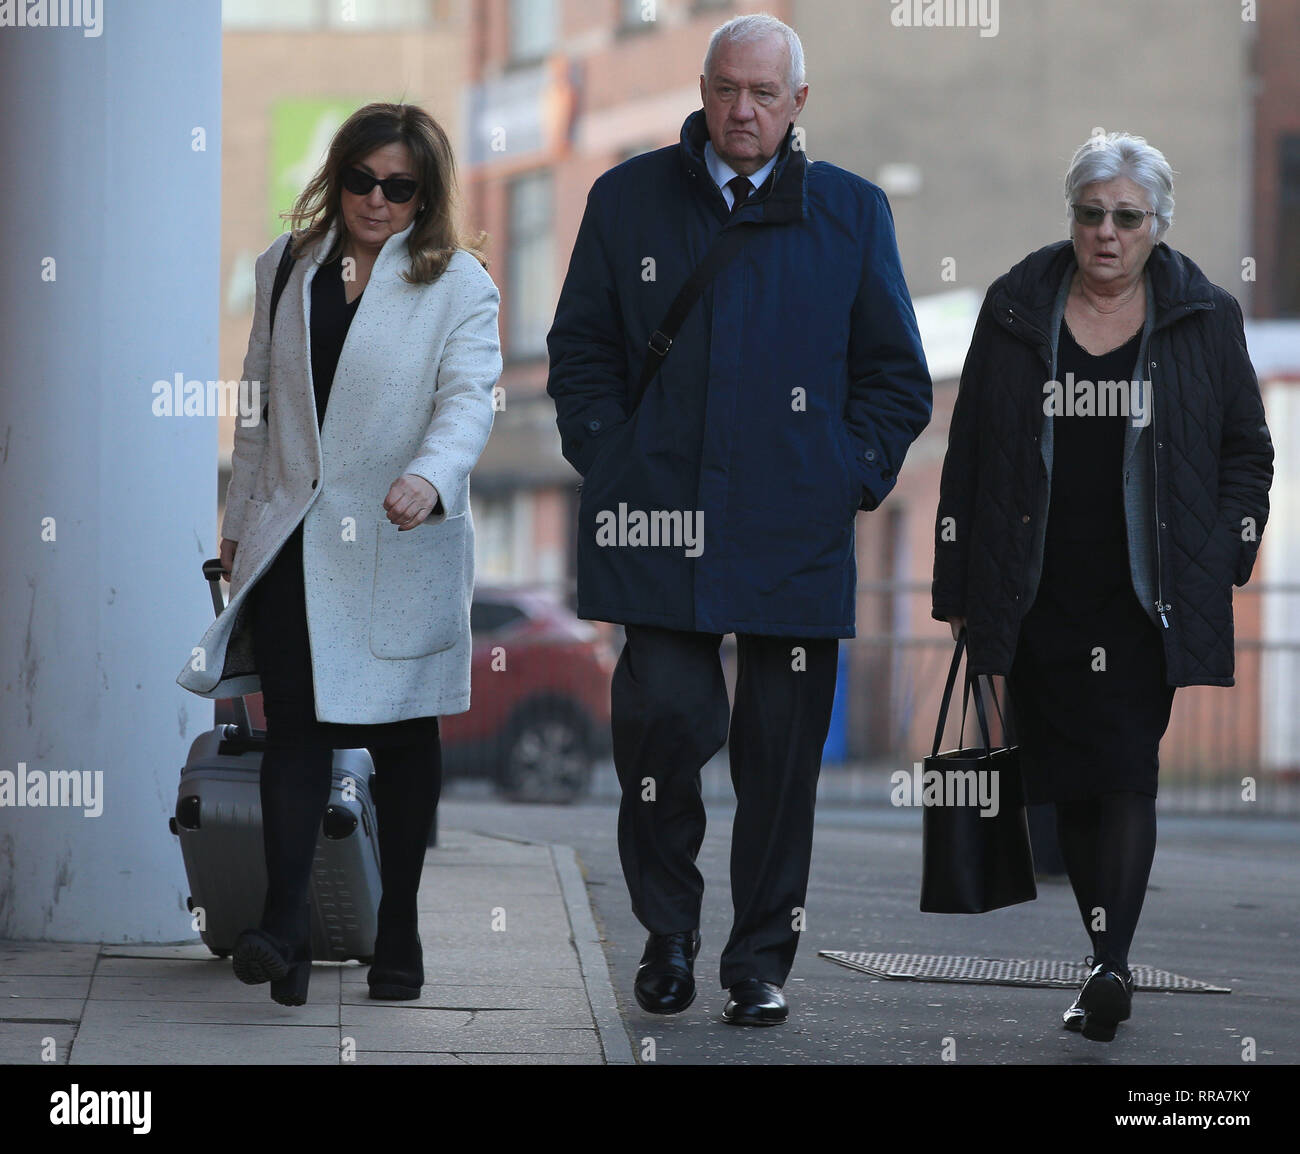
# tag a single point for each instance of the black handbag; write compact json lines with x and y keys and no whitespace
{"x":975,"y":851}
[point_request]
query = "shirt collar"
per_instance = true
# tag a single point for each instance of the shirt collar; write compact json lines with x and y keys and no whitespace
{"x":722,"y":172}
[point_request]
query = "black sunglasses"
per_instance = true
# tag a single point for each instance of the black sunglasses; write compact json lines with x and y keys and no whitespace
{"x":1126,"y":218}
{"x":397,"y":189}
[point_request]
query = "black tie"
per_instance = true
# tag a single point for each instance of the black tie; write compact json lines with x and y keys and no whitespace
{"x":740,"y":189}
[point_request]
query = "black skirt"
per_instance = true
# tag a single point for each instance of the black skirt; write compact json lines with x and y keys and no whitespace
{"x":1089,"y":682}
{"x":282,"y":650}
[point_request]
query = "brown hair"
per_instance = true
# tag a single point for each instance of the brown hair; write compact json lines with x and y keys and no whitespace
{"x":434,"y":236}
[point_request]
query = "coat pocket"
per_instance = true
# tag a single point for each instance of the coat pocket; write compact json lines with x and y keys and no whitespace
{"x":418,"y":603}
{"x":1232,"y":547}
{"x":610,"y":436}
{"x":847,"y":447}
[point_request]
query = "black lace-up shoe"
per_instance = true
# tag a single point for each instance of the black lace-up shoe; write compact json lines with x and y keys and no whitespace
{"x":1072,"y":1019}
{"x":1106,"y":1000}
{"x":755,"y":1003}
{"x":665,"y":978}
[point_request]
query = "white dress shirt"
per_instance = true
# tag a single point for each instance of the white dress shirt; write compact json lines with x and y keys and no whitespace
{"x":722,"y":172}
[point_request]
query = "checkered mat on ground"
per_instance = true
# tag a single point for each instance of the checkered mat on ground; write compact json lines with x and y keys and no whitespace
{"x":1003,"y":971}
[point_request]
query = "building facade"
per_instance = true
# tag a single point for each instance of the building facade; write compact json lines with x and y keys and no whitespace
{"x":968,"y":128}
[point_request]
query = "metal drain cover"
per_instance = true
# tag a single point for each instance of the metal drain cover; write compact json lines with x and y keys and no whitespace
{"x":1003,"y":971}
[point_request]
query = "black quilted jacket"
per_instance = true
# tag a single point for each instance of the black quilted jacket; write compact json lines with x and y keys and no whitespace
{"x":1213,"y":463}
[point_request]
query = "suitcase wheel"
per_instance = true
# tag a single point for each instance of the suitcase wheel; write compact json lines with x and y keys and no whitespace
{"x":189,"y":903}
{"x":339,"y":823}
{"x":187,"y":812}
{"x":171,"y":825}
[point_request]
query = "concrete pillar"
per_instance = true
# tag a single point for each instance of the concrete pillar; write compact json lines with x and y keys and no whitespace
{"x":110,"y":152}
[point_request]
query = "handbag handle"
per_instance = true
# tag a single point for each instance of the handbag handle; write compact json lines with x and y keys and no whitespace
{"x":973,"y":684}
{"x":970,"y":682}
{"x":947,"y":691}
{"x":1007,"y":721}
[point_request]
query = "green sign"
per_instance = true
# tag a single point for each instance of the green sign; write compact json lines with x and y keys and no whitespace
{"x":301,"y":131}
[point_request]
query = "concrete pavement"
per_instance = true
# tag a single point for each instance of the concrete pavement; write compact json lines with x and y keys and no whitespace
{"x":516,"y":970}
{"x":1223,"y":907}
{"x":520,"y":974}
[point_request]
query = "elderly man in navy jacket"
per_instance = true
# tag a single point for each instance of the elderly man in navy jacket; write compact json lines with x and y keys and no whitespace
{"x":723,"y":498}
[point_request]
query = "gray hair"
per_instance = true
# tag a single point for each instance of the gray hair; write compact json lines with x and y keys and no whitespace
{"x":1118,"y":154}
{"x":757,"y":26}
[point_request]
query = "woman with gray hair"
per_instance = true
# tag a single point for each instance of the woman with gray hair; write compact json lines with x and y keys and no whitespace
{"x":1105,"y":485}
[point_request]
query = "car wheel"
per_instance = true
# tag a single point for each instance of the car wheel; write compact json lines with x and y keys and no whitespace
{"x":546,"y":757}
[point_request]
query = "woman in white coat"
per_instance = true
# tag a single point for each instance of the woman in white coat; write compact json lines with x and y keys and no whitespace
{"x":347,"y":537}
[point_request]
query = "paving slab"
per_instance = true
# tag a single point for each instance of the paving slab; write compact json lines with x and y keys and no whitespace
{"x":507,"y":981}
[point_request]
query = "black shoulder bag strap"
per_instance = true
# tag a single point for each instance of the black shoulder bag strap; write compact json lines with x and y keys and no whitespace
{"x":281,"y":278}
{"x":282,"y":272}
{"x":725,"y":246}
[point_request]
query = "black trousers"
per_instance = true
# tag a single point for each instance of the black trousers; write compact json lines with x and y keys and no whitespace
{"x":670,"y":716}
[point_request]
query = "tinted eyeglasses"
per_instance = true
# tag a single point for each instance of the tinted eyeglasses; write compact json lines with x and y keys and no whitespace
{"x":1125,"y":218}
{"x":397,"y":189}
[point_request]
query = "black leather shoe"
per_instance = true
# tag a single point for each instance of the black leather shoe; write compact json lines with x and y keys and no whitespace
{"x":755,"y":1003}
{"x":1106,"y":1000}
{"x":1072,"y":1019}
{"x":665,"y":978}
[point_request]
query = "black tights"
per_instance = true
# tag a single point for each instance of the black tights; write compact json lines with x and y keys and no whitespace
{"x":295,"y":789}
{"x":1108,"y":843}
{"x":297,"y":764}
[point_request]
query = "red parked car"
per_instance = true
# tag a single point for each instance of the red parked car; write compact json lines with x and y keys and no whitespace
{"x":539,"y":718}
{"x":539,"y":714}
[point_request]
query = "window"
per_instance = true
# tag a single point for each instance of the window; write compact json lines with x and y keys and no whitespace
{"x":503,"y":538}
{"x":492,"y":616}
{"x":1286,"y":293}
{"x":532,"y":29}
{"x":492,"y":536}
{"x":531,"y":265}
{"x":338,"y":14}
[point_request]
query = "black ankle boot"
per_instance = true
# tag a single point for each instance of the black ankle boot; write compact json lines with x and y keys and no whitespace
{"x":397,"y":971}
{"x":291,"y":990}
{"x":259,"y":957}
{"x":406,"y":787}
{"x":294,"y":790}
{"x":265,"y":955}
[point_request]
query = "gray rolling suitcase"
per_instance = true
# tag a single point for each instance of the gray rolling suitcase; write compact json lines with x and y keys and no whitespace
{"x":218,"y":820}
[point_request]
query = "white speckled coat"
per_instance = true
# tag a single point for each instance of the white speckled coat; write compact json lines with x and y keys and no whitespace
{"x":387,"y":611}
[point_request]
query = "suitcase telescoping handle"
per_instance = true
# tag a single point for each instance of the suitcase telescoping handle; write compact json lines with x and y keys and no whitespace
{"x":213,"y":573}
